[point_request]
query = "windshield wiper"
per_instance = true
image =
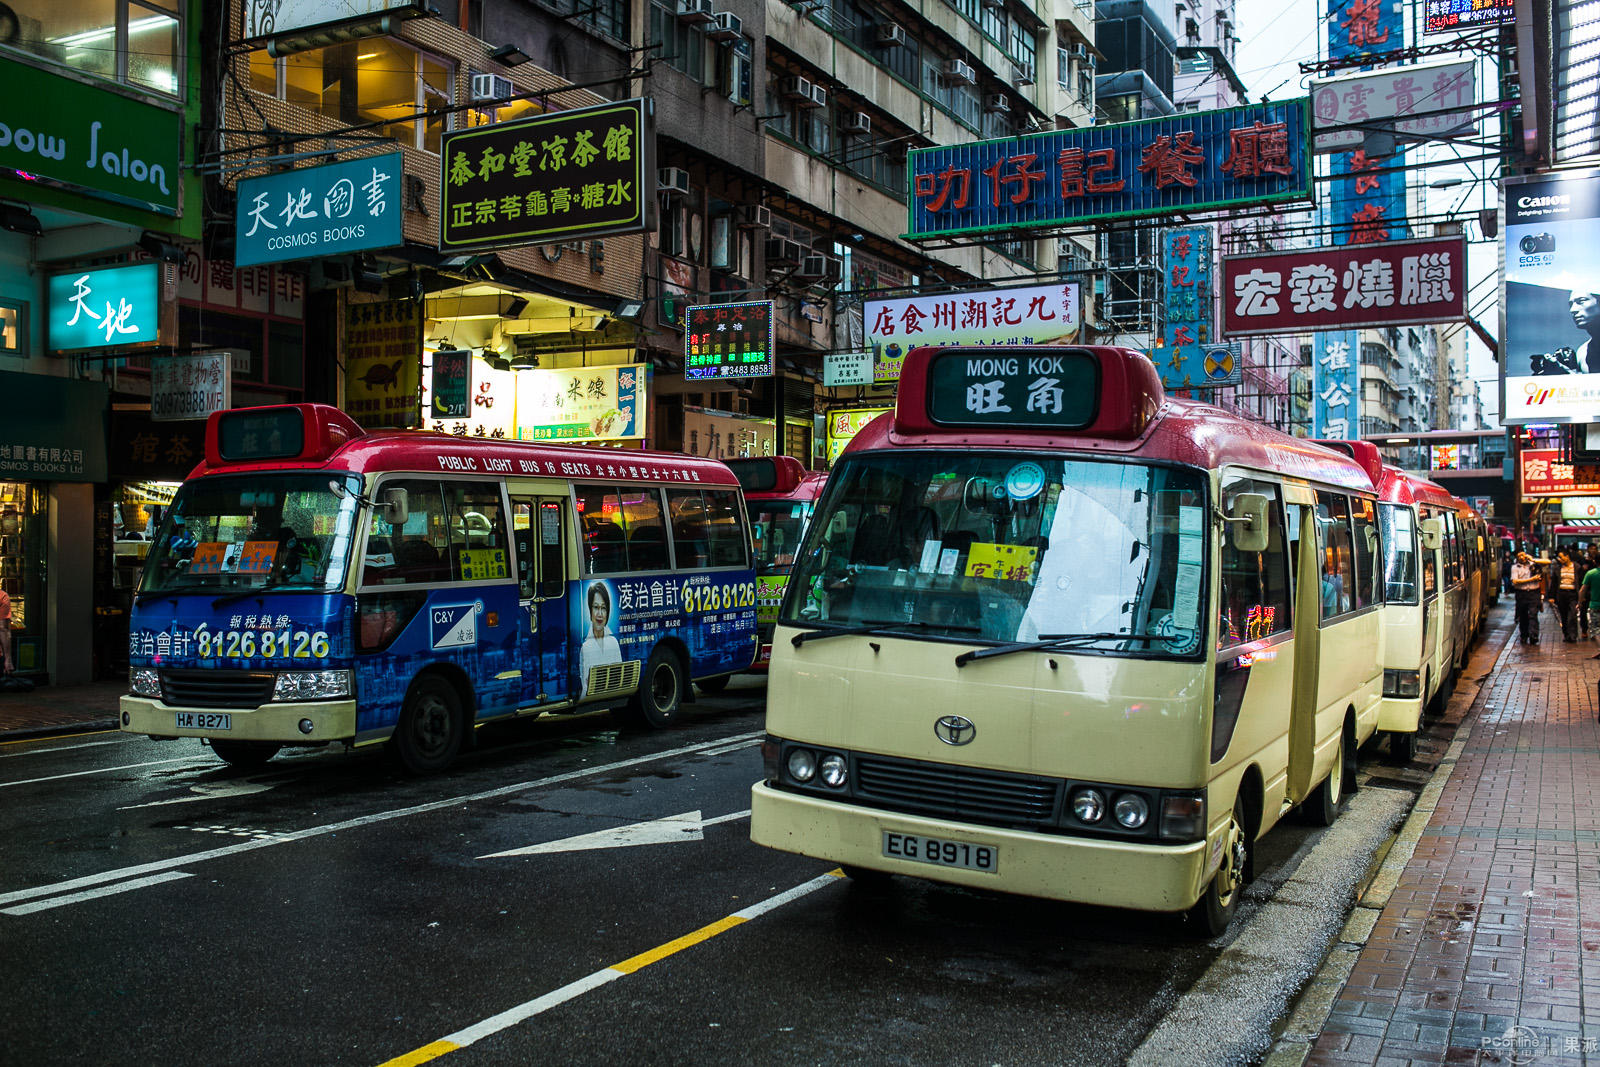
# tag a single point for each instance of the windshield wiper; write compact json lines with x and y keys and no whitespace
{"x":245,"y":594}
{"x":1049,"y":641}
{"x":877,"y":626}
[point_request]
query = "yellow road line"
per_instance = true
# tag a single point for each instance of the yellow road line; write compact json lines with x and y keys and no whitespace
{"x":705,"y":933}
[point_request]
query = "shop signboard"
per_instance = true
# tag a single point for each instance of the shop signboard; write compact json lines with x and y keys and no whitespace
{"x":1178,"y":164}
{"x":142,"y":449}
{"x":54,"y":428}
{"x":847,"y":368}
{"x":1445,"y":458}
{"x":728,"y":340}
{"x":491,"y":402}
{"x":1546,"y":474}
{"x":560,"y":176}
{"x":320,"y":211}
{"x":1366,"y":196}
{"x":1413,"y":102}
{"x":1334,"y":385}
{"x":59,"y":131}
{"x":1025,"y":315}
{"x":190,"y":387}
{"x":450,"y":384}
{"x":111,"y":307}
{"x":1573,"y":507}
{"x":1550,"y":299}
{"x":726,"y":434}
{"x":582,"y":403}
{"x":275,"y":18}
{"x":383,"y":362}
{"x":1342,"y":287}
{"x":1453,"y":16}
{"x":1188,"y":356}
{"x":844,"y":423}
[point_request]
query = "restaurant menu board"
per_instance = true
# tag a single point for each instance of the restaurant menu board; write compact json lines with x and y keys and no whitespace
{"x":729,"y":340}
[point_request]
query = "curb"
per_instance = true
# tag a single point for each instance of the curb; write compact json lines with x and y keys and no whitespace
{"x":32,"y":733}
{"x":1315,"y":1003}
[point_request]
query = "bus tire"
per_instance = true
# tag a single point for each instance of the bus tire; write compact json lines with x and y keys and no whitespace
{"x":1322,"y":806}
{"x":431,"y":727}
{"x":661,"y":689}
{"x":713,"y":686}
{"x":1402,"y":746}
{"x":1216,"y":906}
{"x":866,"y":877}
{"x":244,"y":753}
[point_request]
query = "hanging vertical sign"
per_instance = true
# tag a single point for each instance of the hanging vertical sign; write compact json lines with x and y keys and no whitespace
{"x":1367,"y":200}
{"x":451,"y":384}
{"x":1334,"y":385}
{"x":383,"y":362}
{"x":1188,"y":330}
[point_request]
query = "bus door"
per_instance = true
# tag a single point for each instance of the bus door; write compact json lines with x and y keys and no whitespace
{"x":541,"y":523}
{"x":1307,"y":564}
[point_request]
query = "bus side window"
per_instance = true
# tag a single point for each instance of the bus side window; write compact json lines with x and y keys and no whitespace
{"x":686,"y":509}
{"x":1369,"y":577}
{"x":1255,"y":585}
{"x":1334,"y":543}
{"x":478,"y":545}
{"x":727,"y":543}
{"x":522,"y":536}
{"x":417,"y":550}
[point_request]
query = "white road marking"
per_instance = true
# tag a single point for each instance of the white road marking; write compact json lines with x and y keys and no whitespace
{"x":373,"y":819}
{"x":687,"y":826}
{"x":91,"y":894}
{"x":731,"y":748}
{"x":197,"y":760}
{"x":64,"y":748}
{"x":207,"y":791}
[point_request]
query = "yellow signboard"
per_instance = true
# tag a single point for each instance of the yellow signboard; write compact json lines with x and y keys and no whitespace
{"x":1012,"y":562}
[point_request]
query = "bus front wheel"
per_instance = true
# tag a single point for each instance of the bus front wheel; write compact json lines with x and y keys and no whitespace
{"x":244,"y":753}
{"x":431,"y":726}
{"x":1322,"y":806}
{"x":1214,"y":911}
{"x":660,"y":694}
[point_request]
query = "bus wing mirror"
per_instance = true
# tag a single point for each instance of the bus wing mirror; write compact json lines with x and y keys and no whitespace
{"x":1248,"y":522}
{"x":393,"y":506}
{"x":1432,"y":534}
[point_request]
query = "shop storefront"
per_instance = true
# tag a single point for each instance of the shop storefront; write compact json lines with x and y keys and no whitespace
{"x":52,"y":454}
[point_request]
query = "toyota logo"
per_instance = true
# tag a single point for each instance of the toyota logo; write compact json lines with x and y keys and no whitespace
{"x":955,"y":730}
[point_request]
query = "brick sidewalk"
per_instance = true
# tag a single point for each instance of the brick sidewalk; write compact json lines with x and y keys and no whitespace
{"x":60,"y":709}
{"x":1488,"y":950}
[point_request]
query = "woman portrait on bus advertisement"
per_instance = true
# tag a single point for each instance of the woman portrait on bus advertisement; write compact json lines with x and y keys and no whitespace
{"x":600,"y":647}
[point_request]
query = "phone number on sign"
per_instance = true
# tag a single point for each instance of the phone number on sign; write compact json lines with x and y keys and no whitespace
{"x":703,"y":598}
{"x":267,"y":644}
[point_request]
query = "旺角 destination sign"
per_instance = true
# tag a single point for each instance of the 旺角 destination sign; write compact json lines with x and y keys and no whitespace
{"x":554,"y":177}
{"x":996,"y":388}
{"x":320,"y":211}
{"x":1185,"y":163}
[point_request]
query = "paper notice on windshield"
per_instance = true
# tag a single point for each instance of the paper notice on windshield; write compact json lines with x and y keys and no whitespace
{"x":1191,"y":520}
{"x":947,"y":560}
{"x":988,"y":560}
{"x":1186,"y":595}
{"x":1190,"y":548}
{"x":930,"y":556}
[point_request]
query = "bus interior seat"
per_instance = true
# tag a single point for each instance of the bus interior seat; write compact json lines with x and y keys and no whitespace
{"x":608,"y":548}
{"x":420,"y":561}
{"x":872,"y":544}
{"x":690,"y":540}
{"x":918,"y":526}
{"x":647,"y":549}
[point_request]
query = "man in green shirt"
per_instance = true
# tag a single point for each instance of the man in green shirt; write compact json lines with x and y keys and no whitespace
{"x":1591,"y":594}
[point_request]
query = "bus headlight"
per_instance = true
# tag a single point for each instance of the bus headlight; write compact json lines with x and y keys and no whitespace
{"x":834,"y":771}
{"x":1402,"y":683}
{"x":1132,"y":811}
{"x":1089,"y":805}
{"x":144,"y":682}
{"x":802,"y":764}
{"x":311,"y":685}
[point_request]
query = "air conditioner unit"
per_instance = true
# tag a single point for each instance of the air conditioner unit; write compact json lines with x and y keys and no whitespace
{"x":696,"y":12}
{"x":490,"y":87}
{"x":958,"y":72}
{"x":819,"y":96}
{"x":782,"y":252}
{"x":1080,"y":51}
{"x":757,"y":217}
{"x":997,"y":104}
{"x":673,"y":181}
{"x":797,"y":88}
{"x":727,"y":27}
{"x":891,"y":35}
{"x":835,"y":268}
{"x":994,"y":5}
{"x":856,"y":122}
{"x":813,"y":267}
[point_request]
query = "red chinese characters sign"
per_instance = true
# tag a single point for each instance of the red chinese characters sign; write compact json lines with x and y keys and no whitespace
{"x":1544,"y":473}
{"x":1345,"y":287}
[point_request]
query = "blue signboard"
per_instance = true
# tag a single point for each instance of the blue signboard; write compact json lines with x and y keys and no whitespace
{"x":1196,"y":161}
{"x":1189,"y":355}
{"x":1334,"y":385}
{"x":1365,"y":207}
{"x":116,"y":307}
{"x":319,"y":211}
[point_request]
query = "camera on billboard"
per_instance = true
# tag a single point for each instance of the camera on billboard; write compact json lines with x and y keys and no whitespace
{"x":1535,"y":243}
{"x":1562,"y":361}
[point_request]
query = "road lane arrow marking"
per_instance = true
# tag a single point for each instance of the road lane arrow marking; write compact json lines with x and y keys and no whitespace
{"x":208,"y":791}
{"x":687,"y":826}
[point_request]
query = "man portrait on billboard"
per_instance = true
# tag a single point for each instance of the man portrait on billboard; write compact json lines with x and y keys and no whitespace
{"x":1585,"y":309}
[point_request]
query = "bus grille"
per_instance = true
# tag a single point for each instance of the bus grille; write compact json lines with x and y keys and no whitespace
{"x":994,"y":798}
{"x":216,"y":689}
{"x":613,"y":678}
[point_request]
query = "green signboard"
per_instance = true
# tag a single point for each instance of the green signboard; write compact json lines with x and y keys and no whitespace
{"x":54,"y":429}
{"x":554,"y":177}
{"x":89,"y":139}
{"x":452,"y":384}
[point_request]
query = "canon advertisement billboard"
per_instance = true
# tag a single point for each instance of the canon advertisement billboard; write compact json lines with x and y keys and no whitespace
{"x":1550,"y":299}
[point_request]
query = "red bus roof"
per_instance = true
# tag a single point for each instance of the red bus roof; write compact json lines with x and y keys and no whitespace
{"x":1393,"y":484}
{"x":1134,"y":418}
{"x":776,"y":477}
{"x":332,"y":441}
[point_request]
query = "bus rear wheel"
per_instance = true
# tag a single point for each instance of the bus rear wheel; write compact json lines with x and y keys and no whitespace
{"x":1215,"y":908}
{"x":1402,"y":746}
{"x":245,"y":753}
{"x":661,"y":688}
{"x":431,"y":727}
{"x":1322,"y":806}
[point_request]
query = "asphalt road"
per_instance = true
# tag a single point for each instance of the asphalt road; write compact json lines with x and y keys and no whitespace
{"x":567,"y":893}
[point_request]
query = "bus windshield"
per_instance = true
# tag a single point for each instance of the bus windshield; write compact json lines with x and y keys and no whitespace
{"x":1399,"y":554}
{"x":776,"y":527}
{"x":1007,"y":547}
{"x":240,"y":534}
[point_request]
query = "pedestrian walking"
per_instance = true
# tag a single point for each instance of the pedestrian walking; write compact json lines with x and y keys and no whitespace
{"x":1591,"y":597}
{"x":6,"y":666}
{"x":1565,"y":578}
{"x":1528,"y":585}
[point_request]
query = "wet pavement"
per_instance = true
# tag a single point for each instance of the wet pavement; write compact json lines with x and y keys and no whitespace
{"x":66,"y":709}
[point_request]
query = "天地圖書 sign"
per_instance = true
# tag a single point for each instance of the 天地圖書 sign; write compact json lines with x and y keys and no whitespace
{"x":320,"y":211}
